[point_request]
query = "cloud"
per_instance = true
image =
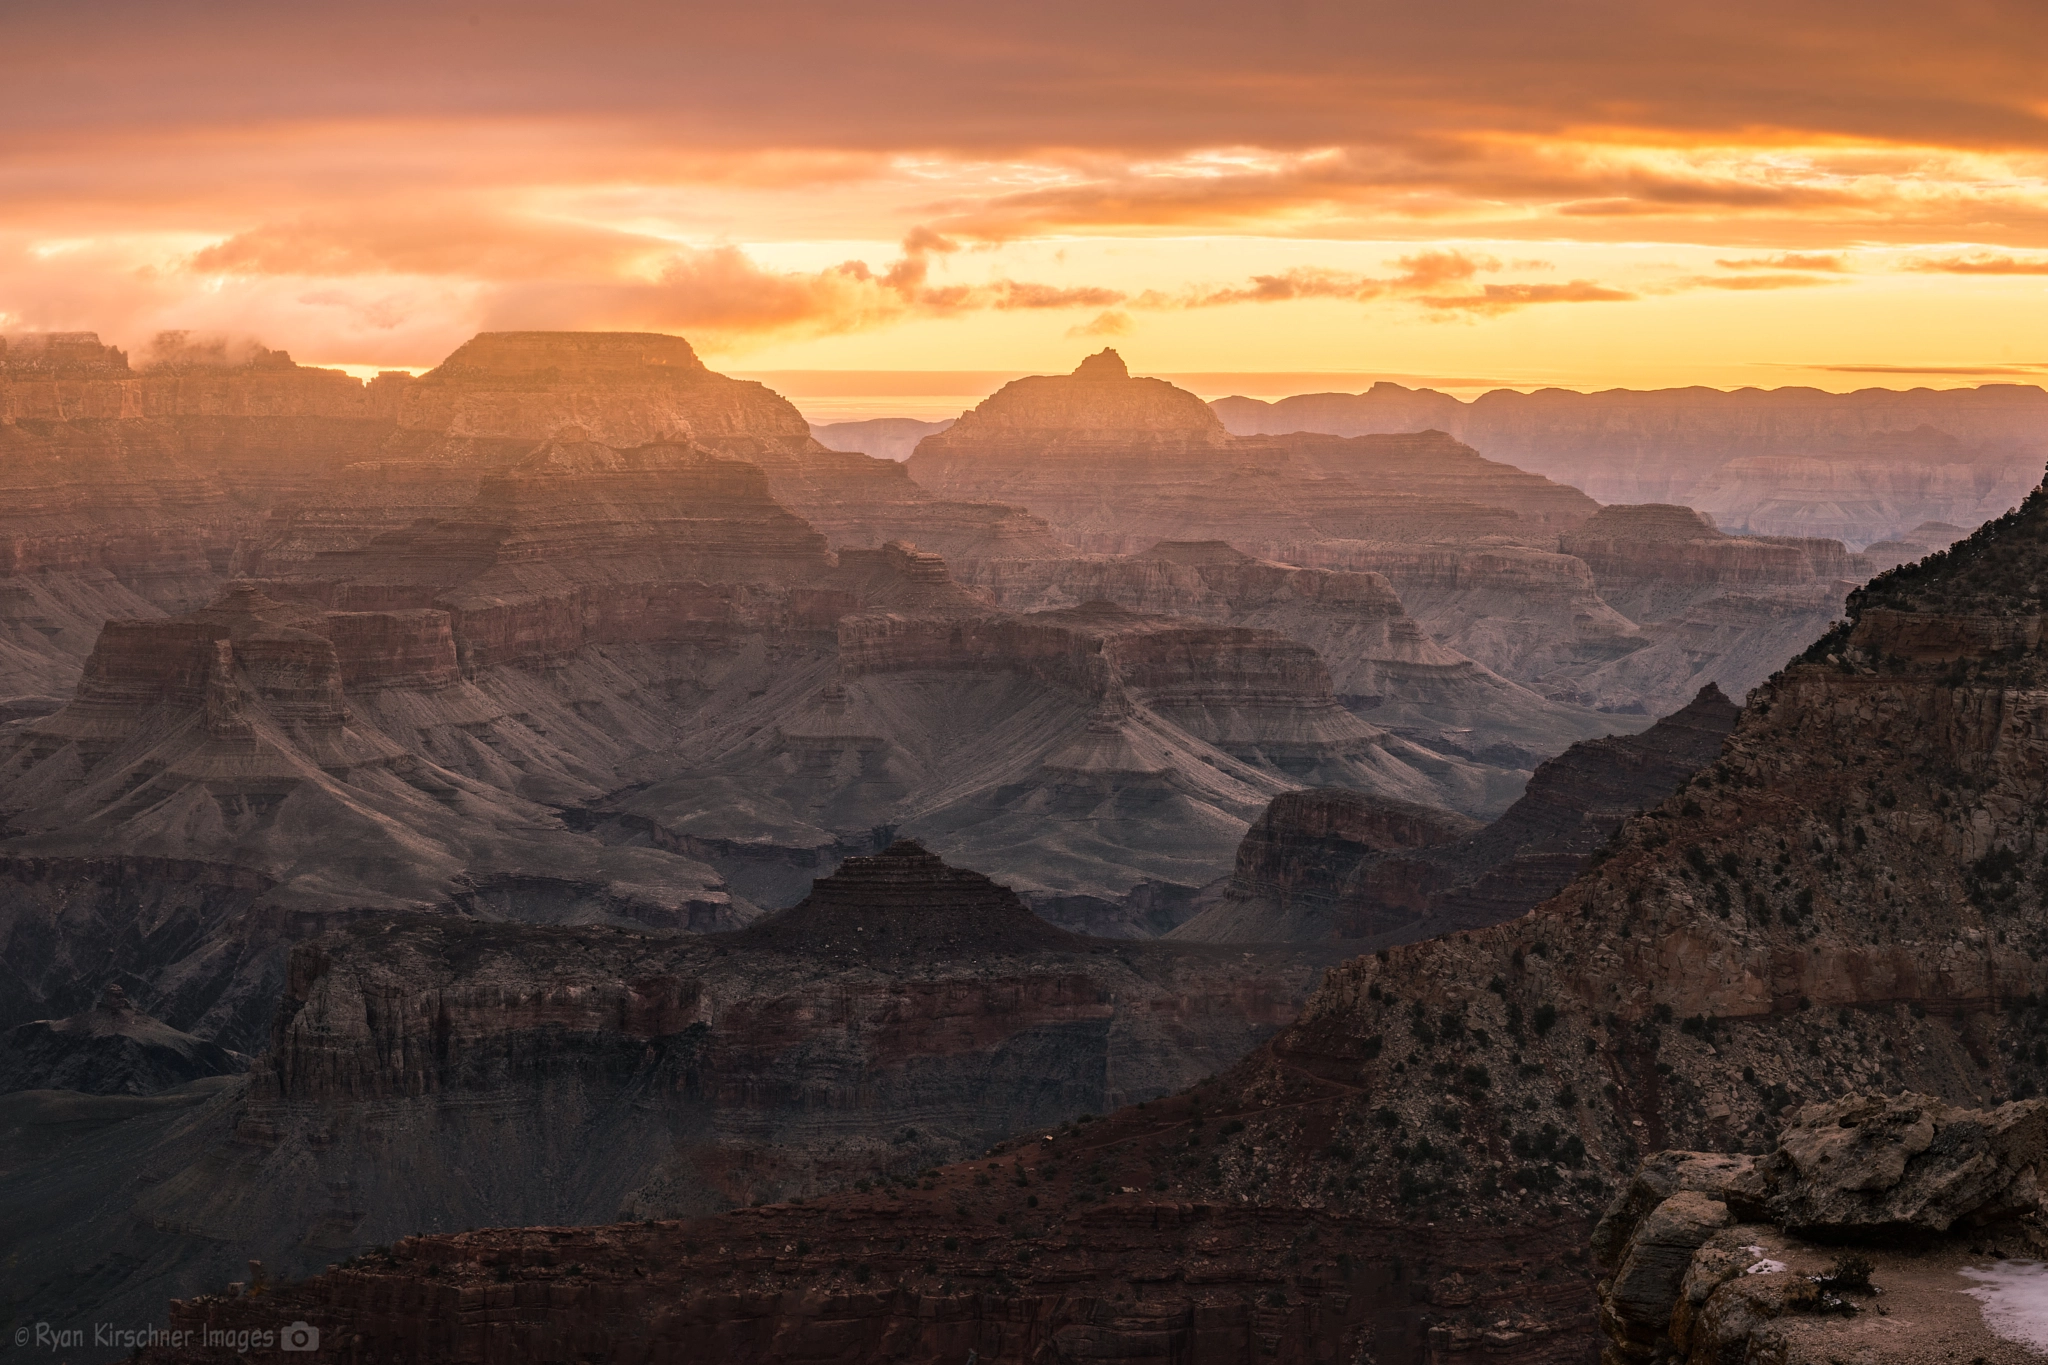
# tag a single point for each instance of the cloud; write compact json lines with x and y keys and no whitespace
{"x":1787,"y":260}
{"x":1111,"y":323}
{"x":182,"y":349}
{"x":1982,"y":263}
{"x":1962,"y":370}
{"x":1503,"y":298}
{"x":1748,"y":283}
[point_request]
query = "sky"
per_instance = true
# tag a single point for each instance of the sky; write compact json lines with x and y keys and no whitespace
{"x":1490,"y":192}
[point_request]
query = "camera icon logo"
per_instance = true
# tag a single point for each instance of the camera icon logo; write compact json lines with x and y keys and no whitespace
{"x":299,"y":1337}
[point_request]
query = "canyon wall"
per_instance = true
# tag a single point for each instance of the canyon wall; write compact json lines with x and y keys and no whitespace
{"x":1795,"y":461}
{"x":1845,"y":899}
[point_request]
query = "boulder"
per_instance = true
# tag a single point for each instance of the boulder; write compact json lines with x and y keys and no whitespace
{"x":1868,"y":1166}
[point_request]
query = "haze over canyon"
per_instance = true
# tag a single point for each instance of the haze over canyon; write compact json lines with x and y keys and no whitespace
{"x":552,"y":858}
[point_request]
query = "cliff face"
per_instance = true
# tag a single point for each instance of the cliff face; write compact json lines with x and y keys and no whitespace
{"x":1115,"y":463}
{"x":1710,"y":607}
{"x":1318,"y":866}
{"x":1084,"y":752}
{"x":1841,"y":900}
{"x":134,"y":492}
{"x":1858,"y":466}
{"x":222,"y":747}
{"x":1383,"y":664}
{"x":440,"y":1073}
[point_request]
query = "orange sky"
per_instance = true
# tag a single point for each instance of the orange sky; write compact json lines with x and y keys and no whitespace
{"x":1577,"y":193}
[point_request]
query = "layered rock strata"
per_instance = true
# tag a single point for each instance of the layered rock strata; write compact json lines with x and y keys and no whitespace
{"x":133,"y":491}
{"x":212,"y":793}
{"x":1383,"y":664}
{"x":1115,"y":463}
{"x":1080,"y":754}
{"x":1711,"y":607}
{"x":1333,"y":865}
{"x":1840,"y":902}
{"x":440,"y":1073}
{"x":1794,"y":461}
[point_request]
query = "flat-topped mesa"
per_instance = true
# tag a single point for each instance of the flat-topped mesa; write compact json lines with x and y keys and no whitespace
{"x":548,"y":358}
{"x":1173,"y":661}
{"x":907,"y":899}
{"x":621,"y":388}
{"x":1663,"y":540}
{"x":60,"y":355}
{"x":203,"y":660}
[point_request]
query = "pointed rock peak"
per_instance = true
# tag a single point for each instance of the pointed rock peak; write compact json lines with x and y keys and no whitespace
{"x":1104,"y":364}
{"x":114,"y":1000}
{"x":907,"y":898}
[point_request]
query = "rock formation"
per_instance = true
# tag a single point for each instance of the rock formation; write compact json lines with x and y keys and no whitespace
{"x":1324,"y":865}
{"x":1795,"y":461}
{"x":213,"y":793}
{"x":885,"y":438}
{"x":1115,"y":463}
{"x":127,"y":492}
{"x":1843,"y":901}
{"x":439,"y":1073}
{"x":1853,"y":1240}
{"x":111,"y":1049}
{"x":1078,"y":754}
{"x":1383,"y":664}
{"x":1711,"y":607}
{"x":1485,"y":557}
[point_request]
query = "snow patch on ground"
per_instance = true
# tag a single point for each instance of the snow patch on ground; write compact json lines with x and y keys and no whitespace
{"x":2015,"y":1299}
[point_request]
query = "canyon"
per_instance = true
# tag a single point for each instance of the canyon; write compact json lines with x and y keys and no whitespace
{"x":1844,"y":901}
{"x":440,"y":1072}
{"x":1105,"y":884}
{"x":1856,"y":466}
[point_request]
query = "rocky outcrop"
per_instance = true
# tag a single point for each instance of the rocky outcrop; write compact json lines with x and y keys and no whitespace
{"x":1084,"y":752}
{"x":1319,"y":866}
{"x":437,"y":1073}
{"x":224,"y":746}
{"x":1839,"y":903}
{"x":111,"y":1049}
{"x":1383,"y":664}
{"x":1713,"y":1258}
{"x":1709,"y":606}
{"x":1858,"y":466}
{"x":1115,"y":463}
{"x":1327,"y":865}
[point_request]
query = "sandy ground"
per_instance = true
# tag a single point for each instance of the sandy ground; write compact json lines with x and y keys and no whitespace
{"x":1946,"y":1306}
